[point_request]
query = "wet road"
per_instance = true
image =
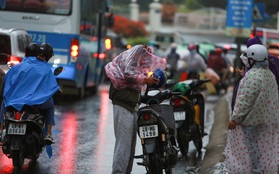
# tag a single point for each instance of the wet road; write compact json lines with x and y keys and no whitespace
{"x":85,"y":139}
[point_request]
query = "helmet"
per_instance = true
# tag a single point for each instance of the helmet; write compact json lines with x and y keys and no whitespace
{"x":31,"y":50}
{"x":218,"y":50}
{"x":192,"y":47}
{"x":161,"y":75}
{"x":46,"y":51}
{"x":181,"y":87}
{"x":257,"y":52}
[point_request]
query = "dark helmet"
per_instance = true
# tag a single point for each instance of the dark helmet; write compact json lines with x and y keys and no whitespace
{"x":31,"y":50}
{"x":45,"y":50}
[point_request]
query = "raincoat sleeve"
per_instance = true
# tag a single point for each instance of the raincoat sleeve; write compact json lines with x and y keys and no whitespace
{"x":247,"y":94}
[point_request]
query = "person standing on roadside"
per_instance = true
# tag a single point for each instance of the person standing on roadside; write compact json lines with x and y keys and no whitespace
{"x":128,"y":75}
{"x":172,"y":59}
{"x":253,"y":144}
{"x":272,"y":61}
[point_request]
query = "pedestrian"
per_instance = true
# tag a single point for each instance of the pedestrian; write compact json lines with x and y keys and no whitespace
{"x":128,"y":75}
{"x":273,"y":63}
{"x":253,"y":144}
{"x":172,"y":59}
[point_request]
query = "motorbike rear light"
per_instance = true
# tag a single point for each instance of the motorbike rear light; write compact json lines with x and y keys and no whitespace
{"x":14,"y":60}
{"x":146,"y":117}
{"x":17,"y":115}
{"x":177,"y":102}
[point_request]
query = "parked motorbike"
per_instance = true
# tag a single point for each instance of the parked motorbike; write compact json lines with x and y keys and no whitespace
{"x":189,"y":114}
{"x":156,"y":129}
{"x":23,"y":133}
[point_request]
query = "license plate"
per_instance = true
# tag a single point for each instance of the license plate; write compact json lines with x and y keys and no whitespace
{"x":17,"y":129}
{"x":178,"y":116}
{"x":148,"y":131}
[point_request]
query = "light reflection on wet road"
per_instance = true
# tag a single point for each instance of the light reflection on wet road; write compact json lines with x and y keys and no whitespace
{"x":84,"y":141}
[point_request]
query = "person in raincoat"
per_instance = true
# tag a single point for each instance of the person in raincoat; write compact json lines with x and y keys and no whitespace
{"x":128,"y":75}
{"x":253,"y":145}
{"x":32,"y":82}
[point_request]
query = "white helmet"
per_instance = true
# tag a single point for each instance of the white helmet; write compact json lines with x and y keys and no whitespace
{"x":257,"y":52}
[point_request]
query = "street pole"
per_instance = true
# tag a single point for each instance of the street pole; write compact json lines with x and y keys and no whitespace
{"x":100,"y":17}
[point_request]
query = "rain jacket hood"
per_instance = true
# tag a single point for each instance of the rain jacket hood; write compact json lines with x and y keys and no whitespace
{"x":129,"y":68}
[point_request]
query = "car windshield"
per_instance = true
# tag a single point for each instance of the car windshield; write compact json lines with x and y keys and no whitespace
{"x":5,"y":44}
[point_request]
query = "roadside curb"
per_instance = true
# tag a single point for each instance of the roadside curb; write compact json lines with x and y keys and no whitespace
{"x":218,"y":137}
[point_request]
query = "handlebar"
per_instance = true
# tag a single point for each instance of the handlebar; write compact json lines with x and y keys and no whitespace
{"x":198,"y":82}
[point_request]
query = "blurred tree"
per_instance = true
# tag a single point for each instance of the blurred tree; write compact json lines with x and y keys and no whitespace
{"x":128,"y":28}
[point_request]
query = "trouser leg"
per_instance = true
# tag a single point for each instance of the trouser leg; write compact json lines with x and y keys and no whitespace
{"x":125,"y":140}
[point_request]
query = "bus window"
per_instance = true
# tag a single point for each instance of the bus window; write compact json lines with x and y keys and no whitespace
{"x":59,"y":7}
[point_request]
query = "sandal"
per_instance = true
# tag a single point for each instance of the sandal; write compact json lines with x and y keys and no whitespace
{"x":49,"y":140}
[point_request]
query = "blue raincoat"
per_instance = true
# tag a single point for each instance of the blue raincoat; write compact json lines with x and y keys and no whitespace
{"x":31,"y":82}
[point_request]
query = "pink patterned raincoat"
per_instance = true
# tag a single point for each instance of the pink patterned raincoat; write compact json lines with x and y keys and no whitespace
{"x":130,"y":67}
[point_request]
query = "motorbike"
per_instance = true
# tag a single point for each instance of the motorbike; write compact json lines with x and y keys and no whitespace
{"x":23,"y":133}
{"x":189,"y":114}
{"x":156,"y":129}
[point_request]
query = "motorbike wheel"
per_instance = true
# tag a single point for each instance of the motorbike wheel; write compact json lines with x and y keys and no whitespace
{"x":168,"y":170}
{"x":197,"y":138}
{"x":18,"y":158}
{"x":155,"y":166}
{"x":183,"y":141}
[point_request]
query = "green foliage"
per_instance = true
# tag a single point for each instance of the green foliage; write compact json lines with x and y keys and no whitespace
{"x":128,"y":28}
{"x":137,"y":40}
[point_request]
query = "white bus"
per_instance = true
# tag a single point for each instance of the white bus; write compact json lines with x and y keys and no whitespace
{"x":73,"y":27}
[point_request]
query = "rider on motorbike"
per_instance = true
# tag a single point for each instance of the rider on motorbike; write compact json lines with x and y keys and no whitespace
{"x":32,"y":82}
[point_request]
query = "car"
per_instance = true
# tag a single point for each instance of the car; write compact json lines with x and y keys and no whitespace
{"x":12,"y":49}
{"x":273,"y":49}
{"x":165,"y":37}
{"x":12,"y":46}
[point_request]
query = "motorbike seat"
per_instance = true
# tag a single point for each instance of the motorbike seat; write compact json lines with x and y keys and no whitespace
{"x":30,"y":109}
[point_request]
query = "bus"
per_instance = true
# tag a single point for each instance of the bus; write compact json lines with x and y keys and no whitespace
{"x":74,"y":28}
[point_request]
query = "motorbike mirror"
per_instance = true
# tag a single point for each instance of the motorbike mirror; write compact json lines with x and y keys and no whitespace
{"x":170,"y":83}
{"x":188,"y":81}
{"x":58,"y":70}
{"x":153,"y":92}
